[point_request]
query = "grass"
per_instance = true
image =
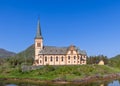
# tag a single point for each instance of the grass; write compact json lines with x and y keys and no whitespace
{"x":59,"y":72}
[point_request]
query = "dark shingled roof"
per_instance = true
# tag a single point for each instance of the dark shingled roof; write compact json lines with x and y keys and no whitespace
{"x":58,"y":50}
{"x":38,"y":34}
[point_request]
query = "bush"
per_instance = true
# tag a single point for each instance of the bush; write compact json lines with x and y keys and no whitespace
{"x":49,"y":68}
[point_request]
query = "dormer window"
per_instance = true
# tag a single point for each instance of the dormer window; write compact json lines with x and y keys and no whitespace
{"x":71,"y":51}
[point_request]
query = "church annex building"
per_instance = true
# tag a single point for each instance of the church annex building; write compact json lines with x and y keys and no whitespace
{"x":52,"y":55}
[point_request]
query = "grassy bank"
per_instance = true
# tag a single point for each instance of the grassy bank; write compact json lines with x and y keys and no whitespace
{"x":68,"y":73}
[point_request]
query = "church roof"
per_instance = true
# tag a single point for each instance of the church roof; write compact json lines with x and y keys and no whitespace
{"x":51,"y":50}
{"x":38,"y":34}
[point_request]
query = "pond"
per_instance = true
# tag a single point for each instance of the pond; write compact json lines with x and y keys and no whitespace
{"x":100,"y":83}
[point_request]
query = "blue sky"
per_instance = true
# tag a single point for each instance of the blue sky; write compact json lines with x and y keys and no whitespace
{"x":92,"y":25}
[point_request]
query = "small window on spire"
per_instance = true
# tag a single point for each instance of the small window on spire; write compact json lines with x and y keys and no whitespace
{"x":38,"y":45}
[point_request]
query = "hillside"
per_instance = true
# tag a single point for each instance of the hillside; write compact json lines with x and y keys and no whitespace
{"x":69,"y":73}
{"x":11,"y":68}
{"x":24,"y":57}
{"x":5,"y":53}
{"x":116,"y":57}
{"x":115,"y":61}
{"x":28,"y":53}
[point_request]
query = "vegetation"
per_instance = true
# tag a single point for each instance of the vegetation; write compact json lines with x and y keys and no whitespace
{"x":96,"y":59}
{"x":58,"y":72}
{"x":115,"y":61}
{"x":11,"y":67}
{"x":23,"y":58}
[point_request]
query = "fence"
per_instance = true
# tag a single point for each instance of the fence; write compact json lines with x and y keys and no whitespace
{"x":26,"y":68}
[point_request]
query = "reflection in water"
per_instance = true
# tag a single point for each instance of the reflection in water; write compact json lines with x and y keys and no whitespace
{"x":11,"y":85}
{"x":110,"y":83}
{"x":114,"y":83}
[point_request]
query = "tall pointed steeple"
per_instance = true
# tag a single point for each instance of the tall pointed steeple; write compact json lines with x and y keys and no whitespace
{"x":38,"y":34}
{"x":38,"y":41}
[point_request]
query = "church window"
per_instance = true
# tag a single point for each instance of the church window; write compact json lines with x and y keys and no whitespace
{"x":69,"y":57}
{"x":62,"y":58}
{"x":40,"y":61}
{"x":74,"y":61}
{"x":51,"y":58}
{"x":68,"y":61}
{"x":38,"y":44}
{"x":56,"y":58}
{"x":46,"y":59}
{"x":37,"y":61}
{"x":74,"y":57}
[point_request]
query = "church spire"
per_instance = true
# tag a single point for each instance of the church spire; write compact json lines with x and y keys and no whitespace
{"x":38,"y":34}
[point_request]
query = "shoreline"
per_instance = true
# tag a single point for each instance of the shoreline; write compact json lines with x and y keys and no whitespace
{"x":89,"y":79}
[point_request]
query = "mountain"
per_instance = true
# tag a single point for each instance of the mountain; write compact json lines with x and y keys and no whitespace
{"x":5,"y":53}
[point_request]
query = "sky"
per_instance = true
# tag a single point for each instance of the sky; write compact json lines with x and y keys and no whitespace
{"x":91,"y":25}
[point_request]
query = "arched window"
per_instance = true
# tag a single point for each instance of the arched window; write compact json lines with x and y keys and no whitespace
{"x":62,"y":59}
{"x":68,"y":61}
{"x":40,"y":61}
{"x":78,"y":57}
{"x":51,"y":58}
{"x":69,"y":57}
{"x":74,"y":57}
{"x":46,"y":59}
{"x":56,"y":58}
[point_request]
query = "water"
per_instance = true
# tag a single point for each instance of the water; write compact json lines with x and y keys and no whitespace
{"x":108,"y":83}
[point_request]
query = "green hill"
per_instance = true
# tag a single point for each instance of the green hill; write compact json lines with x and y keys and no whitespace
{"x":28,"y":53}
{"x":116,"y":57}
{"x":24,"y":57}
{"x":115,"y":61}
